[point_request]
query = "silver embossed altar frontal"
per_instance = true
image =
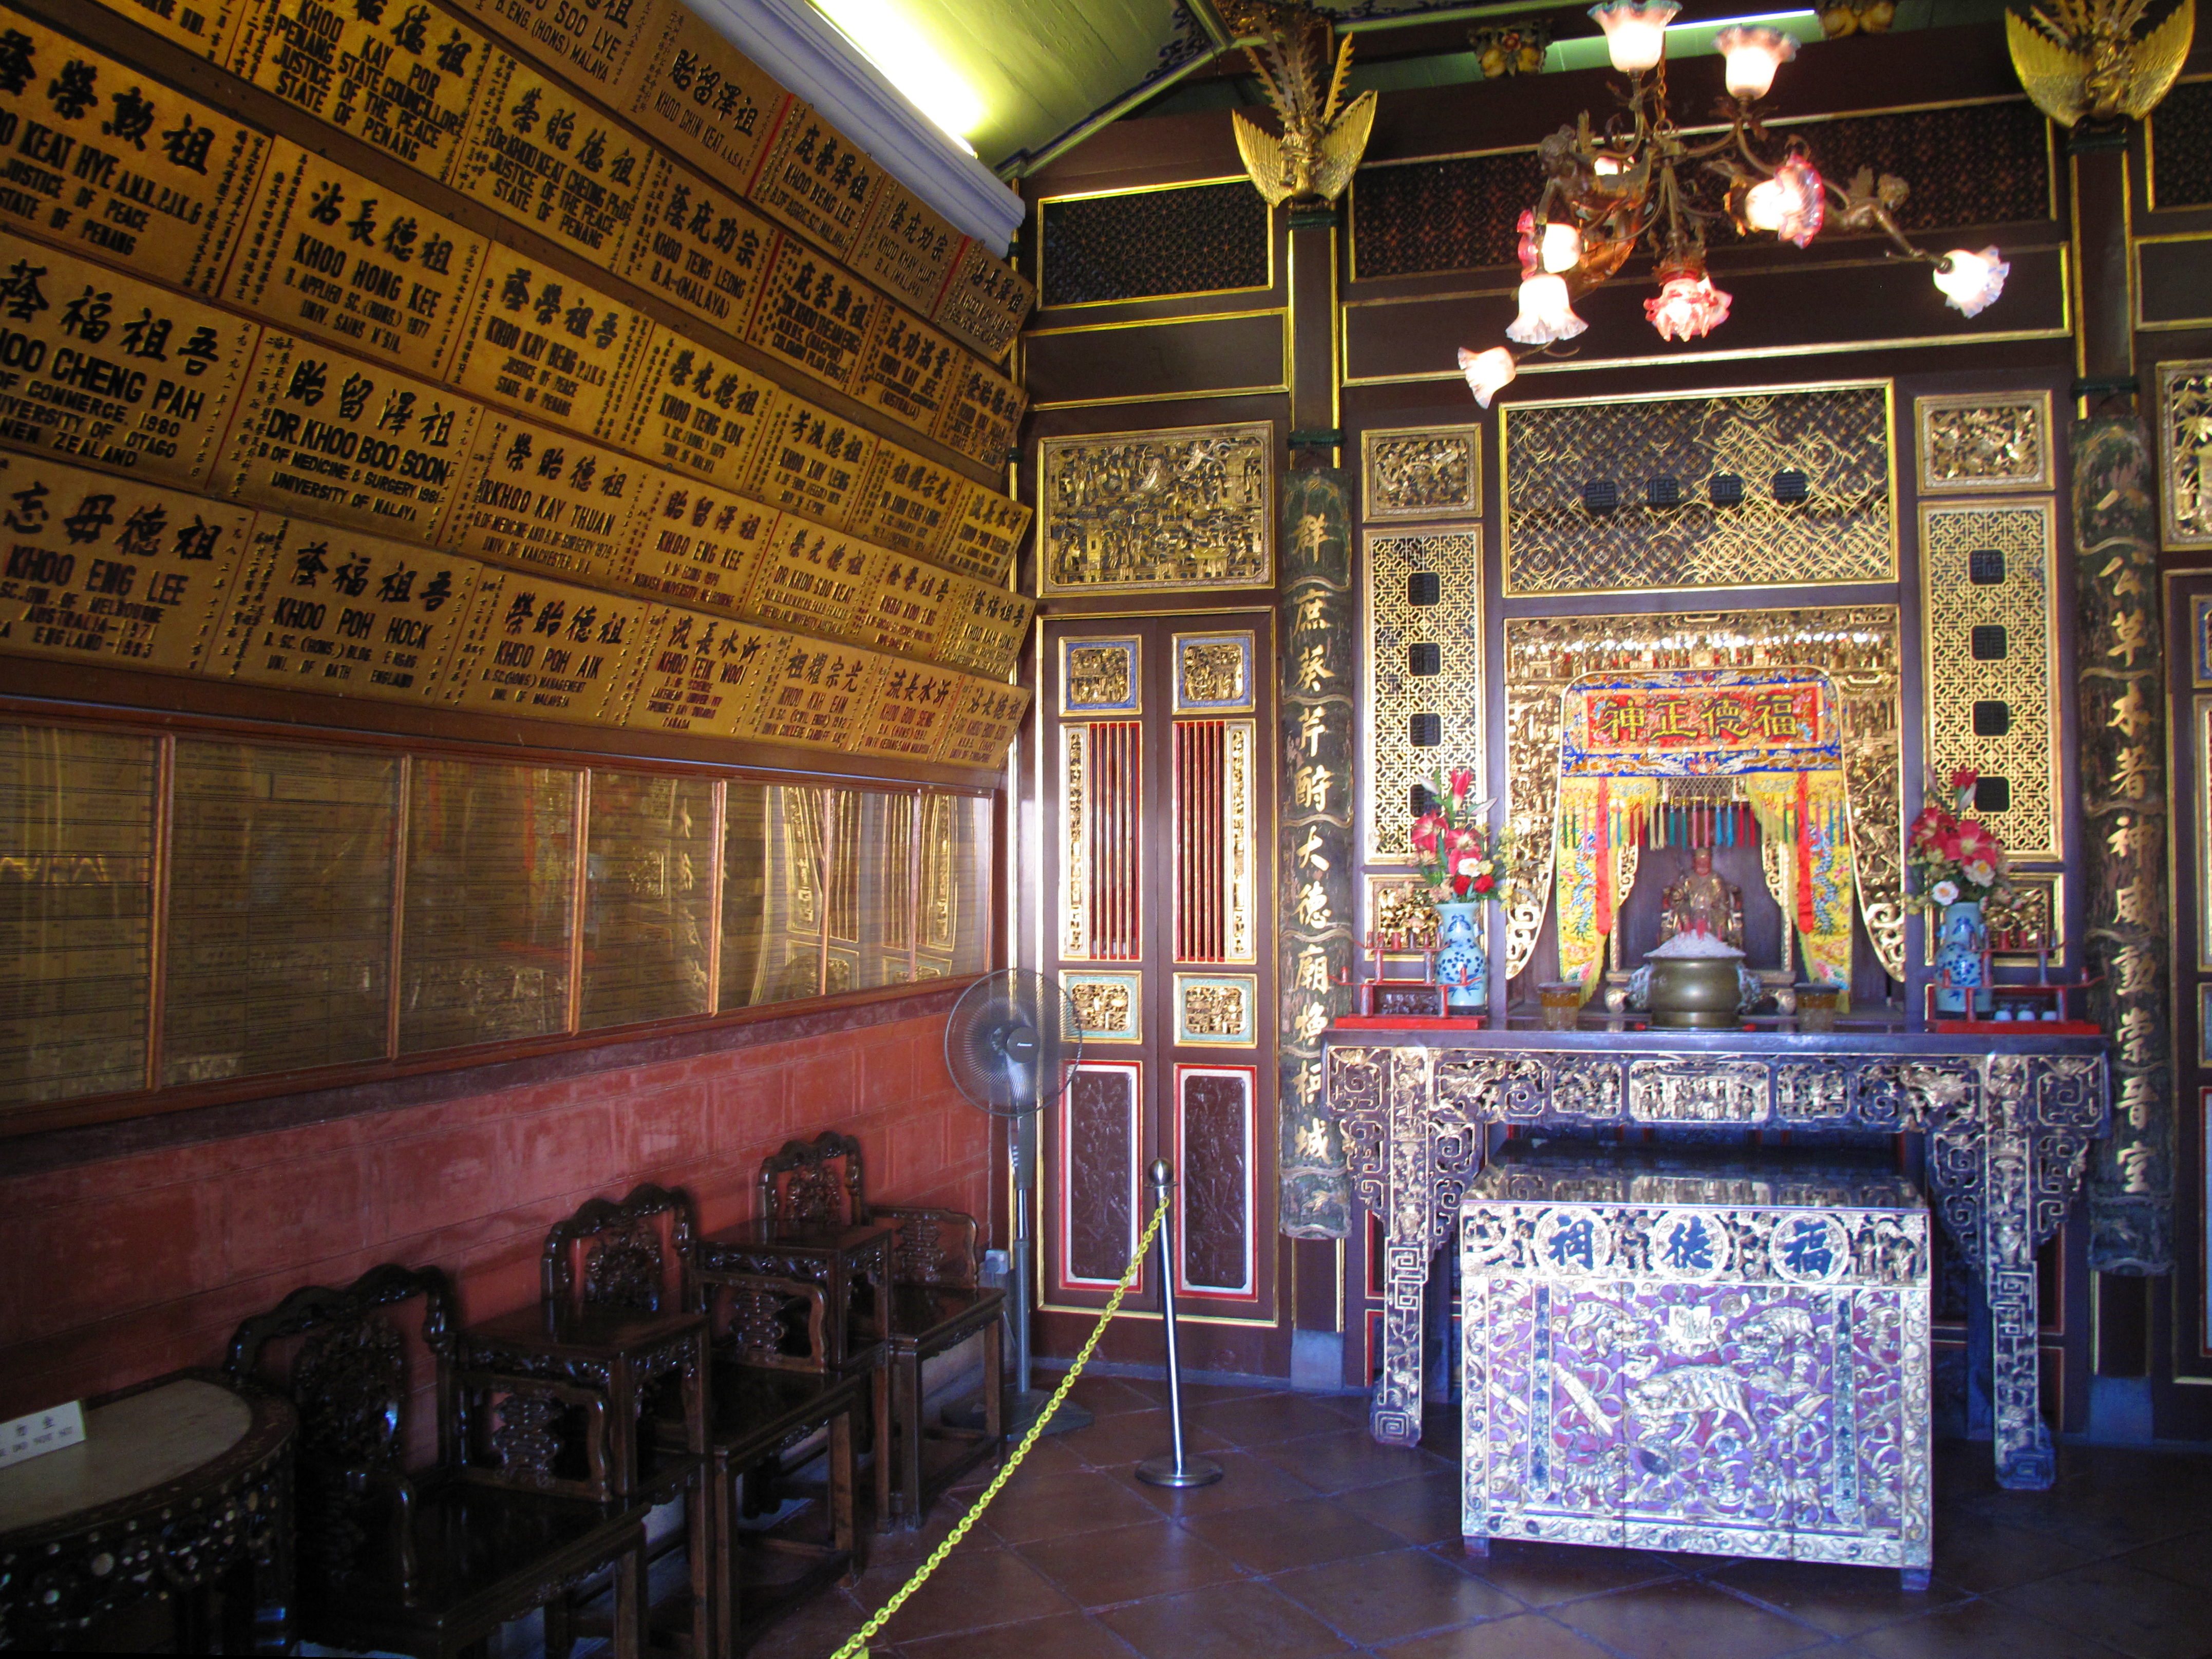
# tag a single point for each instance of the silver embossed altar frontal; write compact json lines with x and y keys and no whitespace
{"x":1674,"y":1355}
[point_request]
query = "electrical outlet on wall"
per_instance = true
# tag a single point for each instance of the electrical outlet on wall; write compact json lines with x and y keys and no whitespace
{"x":37,"y":1433}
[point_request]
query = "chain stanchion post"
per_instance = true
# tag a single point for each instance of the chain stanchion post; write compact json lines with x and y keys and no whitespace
{"x":1176,"y":1469}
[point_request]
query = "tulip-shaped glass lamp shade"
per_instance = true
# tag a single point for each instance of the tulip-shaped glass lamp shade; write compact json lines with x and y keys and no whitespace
{"x":1687,"y":306}
{"x":1548,"y":312}
{"x":1635,"y":34}
{"x":1792,"y":203}
{"x":1562,"y":247}
{"x":1487,"y":372}
{"x":1753,"y":56}
{"x":1971,"y":282}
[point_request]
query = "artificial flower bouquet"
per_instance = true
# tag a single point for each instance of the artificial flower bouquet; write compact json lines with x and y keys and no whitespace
{"x":1949,"y":855}
{"x":1452,"y":839}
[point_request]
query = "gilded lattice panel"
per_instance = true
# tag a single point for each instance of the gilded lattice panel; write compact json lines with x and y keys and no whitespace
{"x":1184,"y":508}
{"x":1423,"y":673}
{"x":1991,"y":659}
{"x":1421,"y":472}
{"x":1745,"y":489}
{"x":2184,"y":437}
{"x":1982,"y":443}
{"x":1856,"y":645}
{"x":1106,"y":1007}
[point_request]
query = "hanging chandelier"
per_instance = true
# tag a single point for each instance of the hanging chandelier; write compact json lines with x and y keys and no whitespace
{"x":1606,"y":192}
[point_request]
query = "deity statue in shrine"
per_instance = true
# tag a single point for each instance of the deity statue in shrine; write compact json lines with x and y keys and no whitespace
{"x":1702,"y":903}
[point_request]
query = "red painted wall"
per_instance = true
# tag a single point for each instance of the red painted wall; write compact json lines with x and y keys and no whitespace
{"x":124,"y":1268}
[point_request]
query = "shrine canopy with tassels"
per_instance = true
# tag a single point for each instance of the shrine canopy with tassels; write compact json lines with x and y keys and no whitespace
{"x":1712,"y":757}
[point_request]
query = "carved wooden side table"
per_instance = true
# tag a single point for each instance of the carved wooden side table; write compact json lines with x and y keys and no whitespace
{"x":181,"y":1484}
{"x":853,"y":1265}
{"x":1669,"y":1352}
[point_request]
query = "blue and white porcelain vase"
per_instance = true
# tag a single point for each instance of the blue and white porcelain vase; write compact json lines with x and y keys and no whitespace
{"x":1959,"y":987}
{"x":1463,"y":964}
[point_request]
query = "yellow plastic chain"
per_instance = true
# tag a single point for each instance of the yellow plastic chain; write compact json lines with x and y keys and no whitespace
{"x":858,"y":1647}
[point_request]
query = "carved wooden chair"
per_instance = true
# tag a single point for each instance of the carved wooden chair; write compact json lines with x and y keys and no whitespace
{"x":780,"y":1393}
{"x":398,"y":1551}
{"x":600,"y":1391}
{"x":936,"y":1301}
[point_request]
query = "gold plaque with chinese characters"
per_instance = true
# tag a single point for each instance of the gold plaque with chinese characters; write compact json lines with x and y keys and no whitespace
{"x":985,"y":301}
{"x":1107,"y":1006}
{"x":548,"y":158}
{"x":1101,"y":676}
{"x":986,"y":535}
{"x":602,"y":48}
{"x":816,"y":180}
{"x":115,"y":370}
{"x":1983,"y":444}
{"x":1217,"y":1010}
{"x":811,"y":578}
{"x":698,"y":412}
{"x":115,"y":571}
{"x":698,"y":248}
{"x":2185,"y":447}
{"x":815,"y":315}
{"x":1421,"y":472}
{"x":697,"y":546}
{"x":535,"y":499}
{"x":816,"y":694}
{"x":1215,"y":673}
{"x":915,"y":706}
{"x":105,"y":161}
{"x":700,"y":96}
{"x":705,"y":676}
{"x":907,"y":248}
{"x":546,"y":650}
{"x":989,"y":716}
{"x":1176,"y":510}
{"x":909,"y":503}
{"x":536,"y":341}
{"x":987,"y":628}
{"x":810,"y":462}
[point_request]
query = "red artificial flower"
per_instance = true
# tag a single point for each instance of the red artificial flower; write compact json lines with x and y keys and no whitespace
{"x":1965,"y":778}
{"x":1484,"y":883}
{"x":1976,"y":843}
{"x":1462,"y":780}
{"x":1424,"y":830}
{"x":1460,"y":884}
{"x":1460,"y":840}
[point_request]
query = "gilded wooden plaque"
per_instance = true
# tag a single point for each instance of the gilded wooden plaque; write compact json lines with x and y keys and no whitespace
{"x":535,"y":499}
{"x":700,"y":96}
{"x":816,"y":180}
{"x":698,"y":248}
{"x":1101,"y":676}
{"x":347,"y":614}
{"x":815,"y":315}
{"x":907,"y":248}
{"x":115,"y":370}
{"x":810,"y":462}
{"x":705,"y":675}
{"x":354,"y":442}
{"x":987,"y":628}
{"x":985,"y":301}
{"x":986,"y":535}
{"x":2200,"y":636}
{"x":909,"y":503}
{"x":119,"y":572}
{"x":1183,"y":509}
{"x":536,"y":341}
{"x":1215,"y":673}
{"x":109,"y":163}
{"x":548,"y":650}
{"x":816,"y":695}
{"x":2184,"y":442}
{"x":547,"y":157}
{"x":914,"y":708}
{"x":982,"y":414}
{"x":1985,"y":443}
{"x":905,"y":608}
{"x":989,"y":716}
{"x":701,"y":413}
{"x":399,"y":77}
{"x":813,"y":579}
{"x":1217,"y":1010}
{"x":337,"y":256}
{"x":1104,"y":1006}
{"x":207,"y":32}
{"x":694,"y":545}
{"x":1421,"y":472}
{"x":909,"y":370}
{"x":604,"y":49}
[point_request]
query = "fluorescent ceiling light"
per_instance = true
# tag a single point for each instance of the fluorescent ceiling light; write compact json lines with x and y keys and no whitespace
{"x":910,"y":63}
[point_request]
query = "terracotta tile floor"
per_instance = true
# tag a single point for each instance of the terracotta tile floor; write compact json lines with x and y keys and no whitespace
{"x":1319,"y":1542}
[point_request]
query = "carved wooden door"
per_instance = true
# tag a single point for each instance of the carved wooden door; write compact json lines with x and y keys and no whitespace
{"x":1156,"y":792}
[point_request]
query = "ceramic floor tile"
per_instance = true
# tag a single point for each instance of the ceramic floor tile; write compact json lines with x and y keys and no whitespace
{"x":2140,"y":1612}
{"x":1128,"y":1564}
{"x":1684,"y":1618}
{"x":1053,"y":1505}
{"x":819,"y":1627}
{"x":967,"y":1592}
{"x":1979,"y":1629}
{"x":1981,"y":1555}
{"x":1422,"y":1510}
{"x":1125,"y":1436}
{"x":1246,"y":1481}
{"x":1841,"y":1600}
{"x":1067,"y":1636}
{"x":1529,"y":1636}
{"x":1546,"y":1575}
{"x":1244,"y":1620}
{"x":1275,"y":1537}
{"x":1269,"y":1418}
{"x":1343,"y":1459}
{"x":2188,"y":1558}
{"x":1374,"y":1599}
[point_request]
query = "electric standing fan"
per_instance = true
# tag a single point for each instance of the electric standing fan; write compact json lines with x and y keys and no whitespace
{"x":1011,"y":1043}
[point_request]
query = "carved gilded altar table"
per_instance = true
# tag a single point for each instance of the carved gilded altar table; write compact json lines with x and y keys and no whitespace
{"x":2008,"y":1121}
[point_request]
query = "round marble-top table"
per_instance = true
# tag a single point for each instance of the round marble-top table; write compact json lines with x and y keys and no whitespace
{"x":179,"y":1484}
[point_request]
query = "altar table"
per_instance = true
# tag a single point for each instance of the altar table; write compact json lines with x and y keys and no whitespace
{"x":2008,"y":1120}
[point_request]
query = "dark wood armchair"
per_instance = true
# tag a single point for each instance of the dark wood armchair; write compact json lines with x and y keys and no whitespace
{"x":935,"y":1302}
{"x":396,"y":1550}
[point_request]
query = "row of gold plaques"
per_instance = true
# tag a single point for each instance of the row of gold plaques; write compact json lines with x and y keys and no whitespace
{"x":126,"y":572}
{"x":124,"y":169}
{"x":423,"y":85}
{"x":137,"y":379}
